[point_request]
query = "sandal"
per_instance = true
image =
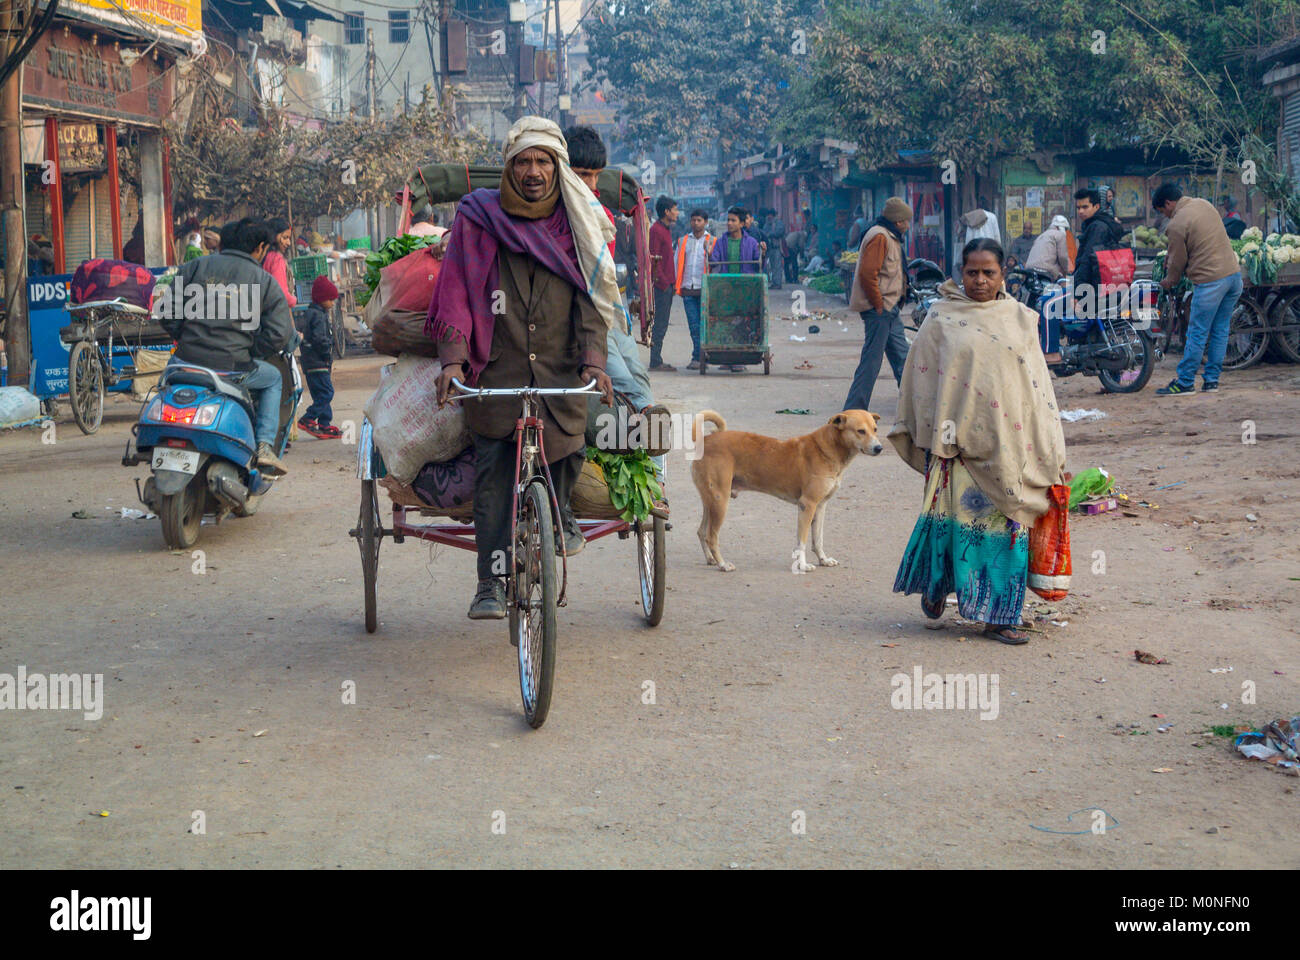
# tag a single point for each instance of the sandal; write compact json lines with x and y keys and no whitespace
{"x":1007,"y":635}
{"x":933,"y":609}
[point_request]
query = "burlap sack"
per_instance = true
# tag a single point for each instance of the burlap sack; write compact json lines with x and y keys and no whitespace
{"x":409,"y":428}
{"x":590,"y":497}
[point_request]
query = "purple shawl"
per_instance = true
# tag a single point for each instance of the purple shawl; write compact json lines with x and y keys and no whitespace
{"x":463,"y":297}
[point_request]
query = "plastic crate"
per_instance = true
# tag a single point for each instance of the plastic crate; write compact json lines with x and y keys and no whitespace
{"x":308,"y":268}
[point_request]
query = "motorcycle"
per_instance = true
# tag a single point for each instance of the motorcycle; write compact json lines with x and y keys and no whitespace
{"x":1111,"y":342}
{"x":196,"y":434}
{"x":924,"y":278}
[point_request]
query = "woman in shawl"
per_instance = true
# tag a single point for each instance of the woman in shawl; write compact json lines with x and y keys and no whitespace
{"x":977,"y":416}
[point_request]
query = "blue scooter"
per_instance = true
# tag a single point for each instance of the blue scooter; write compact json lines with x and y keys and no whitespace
{"x":196,"y":434}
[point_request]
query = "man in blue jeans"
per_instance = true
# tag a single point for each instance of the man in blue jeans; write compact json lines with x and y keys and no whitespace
{"x":691,"y":264}
{"x":1199,"y":248}
{"x":879,"y":285}
{"x":251,"y":320}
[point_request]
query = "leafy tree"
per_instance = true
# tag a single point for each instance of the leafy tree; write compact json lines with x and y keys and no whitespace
{"x":708,"y":72}
{"x":974,"y":79}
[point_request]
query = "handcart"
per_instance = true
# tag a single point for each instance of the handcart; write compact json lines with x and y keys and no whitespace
{"x":104,"y":339}
{"x":734,"y":320}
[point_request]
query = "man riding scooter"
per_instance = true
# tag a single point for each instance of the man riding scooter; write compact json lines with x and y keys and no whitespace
{"x":235,"y":316}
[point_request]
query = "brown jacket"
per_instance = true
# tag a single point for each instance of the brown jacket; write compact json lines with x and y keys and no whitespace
{"x":1198,"y":243}
{"x":548,"y":332}
{"x":878,"y":282}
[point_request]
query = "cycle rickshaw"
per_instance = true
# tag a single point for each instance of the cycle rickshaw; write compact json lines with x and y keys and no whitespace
{"x":534,"y":586}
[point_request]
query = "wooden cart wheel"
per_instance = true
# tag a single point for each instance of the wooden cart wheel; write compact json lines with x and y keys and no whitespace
{"x":1288,"y":341}
{"x":1247,"y":339}
{"x":652,"y":567}
{"x":86,"y":386}
{"x":369,"y":535}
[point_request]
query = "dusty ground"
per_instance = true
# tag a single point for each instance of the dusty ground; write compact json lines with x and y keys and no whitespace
{"x":772,"y":691}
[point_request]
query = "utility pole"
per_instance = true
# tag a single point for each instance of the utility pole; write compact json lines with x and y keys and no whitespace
{"x":17,"y":337}
{"x":372,"y":212}
{"x":560,"y":87}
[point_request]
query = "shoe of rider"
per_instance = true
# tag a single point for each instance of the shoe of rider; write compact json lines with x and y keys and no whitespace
{"x":270,"y":464}
{"x":574,"y":542}
{"x":489,"y":601}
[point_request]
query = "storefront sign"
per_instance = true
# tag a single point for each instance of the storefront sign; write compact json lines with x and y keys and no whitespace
{"x":165,"y":13}
{"x":79,"y":147}
{"x":67,"y":73}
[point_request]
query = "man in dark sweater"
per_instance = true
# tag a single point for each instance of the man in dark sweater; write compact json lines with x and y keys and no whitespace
{"x":251,"y":321}
{"x":1100,"y":231}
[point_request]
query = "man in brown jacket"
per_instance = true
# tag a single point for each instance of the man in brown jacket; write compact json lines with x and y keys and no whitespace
{"x":545,"y":331}
{"x":1199,"y":248}
{"x":879,"y":285}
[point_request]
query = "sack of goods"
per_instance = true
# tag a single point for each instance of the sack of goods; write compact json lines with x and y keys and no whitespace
{"x":397,"y":309}
{"x":409,"y":428}
{"x":102,"y":279}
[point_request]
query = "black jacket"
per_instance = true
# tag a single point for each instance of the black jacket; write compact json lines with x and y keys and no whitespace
{"x":216,"y":335}
{"x":317,"y":350}
{"x":1101,"y":232}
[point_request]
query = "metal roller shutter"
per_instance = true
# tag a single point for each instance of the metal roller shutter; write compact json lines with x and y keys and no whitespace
{"x":1290,"y":146}
{"x":104,"y":219}
{"x":76,"y":225}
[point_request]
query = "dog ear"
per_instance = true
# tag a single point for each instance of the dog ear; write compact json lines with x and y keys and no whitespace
{"x":877,"y":416}
{"x":837,"y":420}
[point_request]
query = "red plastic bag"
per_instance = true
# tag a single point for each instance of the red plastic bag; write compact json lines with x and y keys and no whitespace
{"x":1049,"y":547}
{"x":1115,"y":268}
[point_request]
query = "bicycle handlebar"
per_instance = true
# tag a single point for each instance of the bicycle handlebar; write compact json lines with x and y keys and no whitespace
{"x":520,"y":391}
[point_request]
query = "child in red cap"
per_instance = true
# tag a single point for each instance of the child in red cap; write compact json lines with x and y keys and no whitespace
{"x":317,"y":355}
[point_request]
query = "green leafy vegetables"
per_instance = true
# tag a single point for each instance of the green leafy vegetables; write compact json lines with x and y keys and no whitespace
{"x":630,"y":477}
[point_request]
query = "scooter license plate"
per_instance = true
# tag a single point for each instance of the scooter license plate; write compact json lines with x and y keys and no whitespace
{"x":182,"y":461}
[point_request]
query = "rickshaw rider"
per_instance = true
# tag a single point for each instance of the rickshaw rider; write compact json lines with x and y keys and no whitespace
{"x":535,"y":250}
{"x":229,"y":342}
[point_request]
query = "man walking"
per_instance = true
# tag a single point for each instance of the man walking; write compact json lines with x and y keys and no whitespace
{"x":879,"y":285}
{"x":661,"y":274}
{"x":539,"y":244}
{"x":693,"y":252}
{"x":776,"y":251}
{"x":1199,"y":247}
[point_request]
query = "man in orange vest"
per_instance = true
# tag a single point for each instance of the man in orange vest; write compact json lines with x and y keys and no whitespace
{"x":692,"y":258}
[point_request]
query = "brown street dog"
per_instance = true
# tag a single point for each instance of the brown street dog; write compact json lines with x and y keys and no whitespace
{"x":802,"y":470}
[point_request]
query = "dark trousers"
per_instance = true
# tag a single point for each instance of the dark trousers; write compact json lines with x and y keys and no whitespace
{"x":883,"y":337}
{"x":321,"y":386}
{"x":494,"y":463}
{"x":663,"y":306}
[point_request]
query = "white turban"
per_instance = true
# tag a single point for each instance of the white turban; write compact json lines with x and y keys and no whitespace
{"x":1060,"y":221}
{"x":591,"y":227}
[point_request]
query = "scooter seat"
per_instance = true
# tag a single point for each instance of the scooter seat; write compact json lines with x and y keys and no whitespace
{"x":198,"y":376}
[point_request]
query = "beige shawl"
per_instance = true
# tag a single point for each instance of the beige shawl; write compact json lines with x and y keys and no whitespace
{"x":976,"y":385}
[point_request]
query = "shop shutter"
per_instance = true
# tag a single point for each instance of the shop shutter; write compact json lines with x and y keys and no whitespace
{"x":1291,"y":136}
{"x":37,"y":221}
{"x":76,"y":226}
{"x":104,"y":219}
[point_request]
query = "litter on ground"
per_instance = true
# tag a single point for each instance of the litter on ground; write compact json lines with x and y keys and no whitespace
{"x":1076,"y":416}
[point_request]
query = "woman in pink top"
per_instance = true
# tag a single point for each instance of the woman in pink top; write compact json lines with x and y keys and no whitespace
{"x":274,"y":262}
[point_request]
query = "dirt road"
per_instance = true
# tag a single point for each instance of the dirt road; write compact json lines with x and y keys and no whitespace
{"x":772,"y":692}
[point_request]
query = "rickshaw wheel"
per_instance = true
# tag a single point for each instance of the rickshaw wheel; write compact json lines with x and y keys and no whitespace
{"x":338,"y":332}
{"x":1247,"y":340}
{"x":369,"y":536}
{"x":532,"y":601}
{"x":652,"y":567}
{"x":86,"y":386}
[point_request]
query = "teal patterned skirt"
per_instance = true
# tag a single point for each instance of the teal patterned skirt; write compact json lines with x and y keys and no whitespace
{"x":962,"y":543}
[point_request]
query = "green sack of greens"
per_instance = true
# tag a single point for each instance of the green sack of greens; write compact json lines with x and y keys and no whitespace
{"x":1092,"y":482}
{"x":633,"y":487}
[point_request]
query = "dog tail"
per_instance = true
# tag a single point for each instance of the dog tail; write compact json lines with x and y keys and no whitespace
{"x":703,"y":417}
